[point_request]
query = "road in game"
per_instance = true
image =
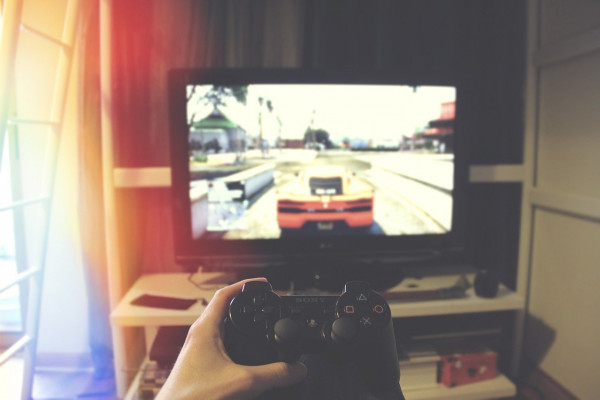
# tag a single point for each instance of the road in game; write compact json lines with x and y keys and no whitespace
{"x":412,"y":192}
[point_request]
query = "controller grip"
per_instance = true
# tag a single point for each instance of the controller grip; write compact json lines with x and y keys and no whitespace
{"x":246,"y":350}
{"x":377,"y":361}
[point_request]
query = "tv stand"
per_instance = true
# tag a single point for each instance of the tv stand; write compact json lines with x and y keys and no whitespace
{"x":326,"y":274}
{"x":203,"y":285}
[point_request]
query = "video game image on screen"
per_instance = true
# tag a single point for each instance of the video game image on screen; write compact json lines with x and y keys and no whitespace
{"x":269,"y":161}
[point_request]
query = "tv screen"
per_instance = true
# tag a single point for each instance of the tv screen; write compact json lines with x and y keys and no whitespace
{"x":283,"y":162}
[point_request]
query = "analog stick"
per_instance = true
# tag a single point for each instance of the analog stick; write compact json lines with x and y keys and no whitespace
{"x":286,"y":331}
{"x":344,"y":331}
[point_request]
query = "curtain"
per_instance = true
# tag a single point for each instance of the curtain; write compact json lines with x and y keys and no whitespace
{"x":149,"y":39}
{"x":91,"y":194}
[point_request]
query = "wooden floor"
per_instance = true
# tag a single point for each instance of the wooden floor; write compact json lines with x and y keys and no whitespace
{"x":55,"y":384}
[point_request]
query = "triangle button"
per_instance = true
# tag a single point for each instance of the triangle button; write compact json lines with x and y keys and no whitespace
{"x":361,"y":297}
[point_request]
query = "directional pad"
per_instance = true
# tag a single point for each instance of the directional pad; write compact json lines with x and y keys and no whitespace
{"x":259,"y":300}
{"x":257,"y":311}
{"x":248,"y":309}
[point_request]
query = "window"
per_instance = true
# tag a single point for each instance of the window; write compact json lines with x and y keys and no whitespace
{"x":10,"y":305}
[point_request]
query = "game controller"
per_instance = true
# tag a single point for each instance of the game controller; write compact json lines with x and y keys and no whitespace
{"x":262,"y":327}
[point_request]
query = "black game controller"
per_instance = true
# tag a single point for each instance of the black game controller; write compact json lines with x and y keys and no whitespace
{"x":356,"y":326}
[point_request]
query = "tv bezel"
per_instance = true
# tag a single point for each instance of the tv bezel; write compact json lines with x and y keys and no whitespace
{"x":189,"y":252}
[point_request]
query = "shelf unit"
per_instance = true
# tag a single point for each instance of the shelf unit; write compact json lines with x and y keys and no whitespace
{"x":125,"y":315}
{"x":180,"y":285}
{"x":506,"y":300}
{"x":497,"y":388}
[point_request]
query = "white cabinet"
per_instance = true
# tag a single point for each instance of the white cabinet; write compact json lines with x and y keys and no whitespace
{"x":179,"y":285}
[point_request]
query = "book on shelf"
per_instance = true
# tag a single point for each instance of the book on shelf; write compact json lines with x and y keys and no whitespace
{"x":419,"y":369}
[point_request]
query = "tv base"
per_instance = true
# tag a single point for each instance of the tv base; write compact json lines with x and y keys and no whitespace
{"x":326,"y":276}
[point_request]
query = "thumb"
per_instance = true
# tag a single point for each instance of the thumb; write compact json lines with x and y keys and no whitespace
{"x":278,"y":374}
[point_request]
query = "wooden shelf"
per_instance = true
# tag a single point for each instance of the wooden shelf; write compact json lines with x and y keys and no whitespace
{"x":132,"y":392}
{"x":178,"y":285}
{"x":203,"y":285}
{"x":175,"y":285}
{"x":505,"y":300}
{"x":498,"y":387}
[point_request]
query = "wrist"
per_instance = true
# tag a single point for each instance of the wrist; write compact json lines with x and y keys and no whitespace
{"x":231,"y":384}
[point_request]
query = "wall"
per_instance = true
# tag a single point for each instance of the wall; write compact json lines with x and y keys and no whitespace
{"x":563,"y":326}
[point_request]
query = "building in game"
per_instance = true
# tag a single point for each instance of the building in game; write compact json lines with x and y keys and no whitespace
{"x":439,"y":133}
{"x":217,"y":134}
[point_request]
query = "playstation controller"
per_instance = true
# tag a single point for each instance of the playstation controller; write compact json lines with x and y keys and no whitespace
{"x":355,"y":327}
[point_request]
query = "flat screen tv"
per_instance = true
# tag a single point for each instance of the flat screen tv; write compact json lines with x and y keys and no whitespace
{"x":275,"y":166}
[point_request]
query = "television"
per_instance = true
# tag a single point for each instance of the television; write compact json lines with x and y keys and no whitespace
{"x":315,"y":173}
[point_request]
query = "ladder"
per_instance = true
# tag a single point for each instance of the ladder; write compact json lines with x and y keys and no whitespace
{"x":30,"y":270}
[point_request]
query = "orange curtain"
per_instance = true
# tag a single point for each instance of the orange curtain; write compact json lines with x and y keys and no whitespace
{"x":149,"y":39}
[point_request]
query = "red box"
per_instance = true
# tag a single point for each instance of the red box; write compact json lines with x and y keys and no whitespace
{"x":460,"y":369}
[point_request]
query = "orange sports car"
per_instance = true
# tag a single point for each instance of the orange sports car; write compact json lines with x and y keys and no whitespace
{"x":325,"y":195}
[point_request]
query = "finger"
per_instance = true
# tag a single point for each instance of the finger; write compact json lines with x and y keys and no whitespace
{"x":277,"y":374}
{"x":217,"y":307}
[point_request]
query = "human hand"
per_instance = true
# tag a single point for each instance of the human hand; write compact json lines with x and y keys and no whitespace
{"x":203,"y":369}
